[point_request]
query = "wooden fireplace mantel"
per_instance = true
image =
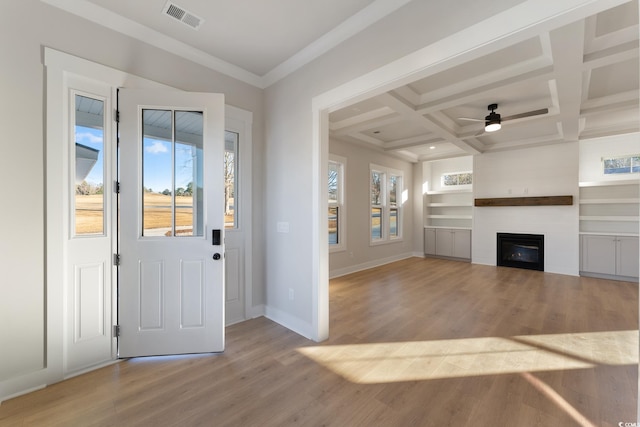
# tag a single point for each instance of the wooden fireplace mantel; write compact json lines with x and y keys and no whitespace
{"x":526,"y":201}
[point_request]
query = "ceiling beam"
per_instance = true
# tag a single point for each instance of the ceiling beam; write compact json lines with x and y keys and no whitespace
{"x":359,"y":118}
{"x":409,"y":112}
{"x":411,"y":142}
{"x":541,"y":74}
{"x":567,"y":46}
{"x":368,"y":124}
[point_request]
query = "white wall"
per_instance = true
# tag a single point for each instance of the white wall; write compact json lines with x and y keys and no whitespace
{"x":543,"y":171}
{"x":26,"y":27}
{"x":359,"y":254}
{"x":289,"y":139}
{"x":592,"y":151}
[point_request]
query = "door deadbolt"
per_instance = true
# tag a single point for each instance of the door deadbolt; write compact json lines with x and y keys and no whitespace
{"x":216,"y":256}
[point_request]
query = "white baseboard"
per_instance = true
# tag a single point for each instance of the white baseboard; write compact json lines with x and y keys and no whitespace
{"x":22,"y":392}
{"x":256,"y":311}
{"x":91,"y":368}
{"x":367,"y":265}
{"x":288,"y":321}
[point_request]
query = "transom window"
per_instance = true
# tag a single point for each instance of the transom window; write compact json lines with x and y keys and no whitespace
{"x":457,"y":179}
{"x":621,"y":164}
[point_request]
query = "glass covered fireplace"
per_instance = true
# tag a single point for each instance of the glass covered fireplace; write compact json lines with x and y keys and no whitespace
{"x":521,"y":251}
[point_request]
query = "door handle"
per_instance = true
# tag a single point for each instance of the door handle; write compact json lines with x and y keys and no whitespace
{"x":216,"y":256}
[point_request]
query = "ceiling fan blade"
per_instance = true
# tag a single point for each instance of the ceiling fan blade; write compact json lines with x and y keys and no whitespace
{"x":470,"y":119}
{"x":527,"y":114}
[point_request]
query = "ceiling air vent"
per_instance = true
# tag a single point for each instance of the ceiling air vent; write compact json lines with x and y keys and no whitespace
{"x":182,"y":15}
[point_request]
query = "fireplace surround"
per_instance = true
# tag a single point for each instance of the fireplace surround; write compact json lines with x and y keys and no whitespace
{"x":520,"y":250}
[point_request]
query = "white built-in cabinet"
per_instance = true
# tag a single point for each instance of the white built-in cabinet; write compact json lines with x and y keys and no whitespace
{"x":448,"y":217}
{"x":609,"y":218}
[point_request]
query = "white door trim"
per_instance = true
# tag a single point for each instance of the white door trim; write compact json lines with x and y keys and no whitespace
{"x":59,"y":67}
{"x":62,"y":69}
{"x":241,"y":121}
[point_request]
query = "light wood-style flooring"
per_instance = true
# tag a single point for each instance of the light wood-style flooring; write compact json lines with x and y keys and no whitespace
{"x":420,"y":342}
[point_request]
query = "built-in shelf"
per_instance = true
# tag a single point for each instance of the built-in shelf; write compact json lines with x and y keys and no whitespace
{"x":449,"y":217}
{"x":445,"y":205}
{"x":631,"y":201}
{"x":609,"y":207}
{"x":608,"y":183}
{"x":608,"y":218}
{"x":449,"y":192}
{"x":449,"y":209}
{"x":525,"y":201}
{"x":452,"y":228}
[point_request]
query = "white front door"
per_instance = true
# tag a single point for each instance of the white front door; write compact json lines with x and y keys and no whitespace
{"x":171,"y":278}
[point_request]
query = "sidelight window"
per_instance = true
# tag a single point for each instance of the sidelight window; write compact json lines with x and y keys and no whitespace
{"x":230,"y":179}
{"x":89,"y":165}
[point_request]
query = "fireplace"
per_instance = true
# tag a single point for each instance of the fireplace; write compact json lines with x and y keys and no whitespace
{"x":521,"y":251}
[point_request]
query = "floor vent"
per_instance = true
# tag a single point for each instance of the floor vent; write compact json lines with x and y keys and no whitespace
{"x":181,"y":14}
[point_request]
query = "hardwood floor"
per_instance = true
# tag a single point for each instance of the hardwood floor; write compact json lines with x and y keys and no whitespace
{"x":421,"y":342}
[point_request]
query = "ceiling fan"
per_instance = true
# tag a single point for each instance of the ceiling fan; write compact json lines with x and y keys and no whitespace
{"x":493,"y":121}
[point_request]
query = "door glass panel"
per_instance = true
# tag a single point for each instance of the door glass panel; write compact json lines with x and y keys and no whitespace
{"x":189,"y":206}
{"x":230,"y":179}
{"x":172,"y":180}
{"x":89,"y":204}
{"x":157,"y":215}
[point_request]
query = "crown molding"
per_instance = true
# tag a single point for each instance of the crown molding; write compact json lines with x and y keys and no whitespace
{"x":353,"y":25}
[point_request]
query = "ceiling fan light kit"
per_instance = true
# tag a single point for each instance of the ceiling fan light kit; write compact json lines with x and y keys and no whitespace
{"x":492,"y":121}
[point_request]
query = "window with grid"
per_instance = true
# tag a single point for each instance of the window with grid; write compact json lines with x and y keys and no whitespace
{"x":386,"y":198}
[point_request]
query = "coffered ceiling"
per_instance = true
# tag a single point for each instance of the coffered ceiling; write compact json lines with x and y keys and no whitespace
{"x":585,"y":75}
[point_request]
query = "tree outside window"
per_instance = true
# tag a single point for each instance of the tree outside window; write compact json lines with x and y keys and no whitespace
{"x":336,"y":215}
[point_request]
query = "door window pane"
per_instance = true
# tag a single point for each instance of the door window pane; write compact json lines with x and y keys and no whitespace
{"x":89,"y":146}
{"x":188,"y":182}
{"x":157,"y":215}
{"x":230,"y":177}
{"x":172,"y":179}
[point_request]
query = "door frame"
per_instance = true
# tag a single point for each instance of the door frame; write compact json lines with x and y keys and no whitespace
{"x":60,"y":69}
{"x":241,"y":121}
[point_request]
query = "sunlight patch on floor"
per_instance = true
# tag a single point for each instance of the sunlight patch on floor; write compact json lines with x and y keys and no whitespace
{"x":424,"y":360}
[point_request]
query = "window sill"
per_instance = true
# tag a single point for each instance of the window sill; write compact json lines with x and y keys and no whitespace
{"x":385,"y":242}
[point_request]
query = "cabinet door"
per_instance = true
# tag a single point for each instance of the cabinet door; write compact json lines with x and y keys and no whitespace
{"x":461,"y":243}
{"x":430,"y":241}
{"x":627,"y":256}
{"x":599,"y":254}
{"x":444,"y":242}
